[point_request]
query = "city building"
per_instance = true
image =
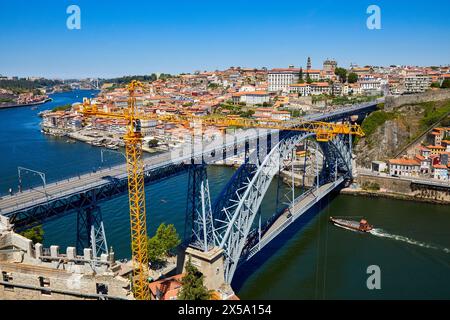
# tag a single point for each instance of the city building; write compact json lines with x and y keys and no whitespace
{"x":251,"y":97}
{"x":416,"y":83}
{"x":440,"y":172}
{"x":281,"y":79}
{"x":404,"y":167}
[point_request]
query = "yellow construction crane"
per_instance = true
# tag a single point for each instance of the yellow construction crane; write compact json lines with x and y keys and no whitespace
{"x":136,"y":192}
{"x":133,"y":144}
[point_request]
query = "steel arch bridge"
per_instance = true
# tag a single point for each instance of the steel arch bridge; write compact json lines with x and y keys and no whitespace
{"x":230,"y":222}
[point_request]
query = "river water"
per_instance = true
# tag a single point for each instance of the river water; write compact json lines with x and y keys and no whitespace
{"x":311,"y":260}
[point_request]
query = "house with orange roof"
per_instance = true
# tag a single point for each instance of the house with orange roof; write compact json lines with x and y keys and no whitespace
{"x":436,"y":150}
{"x":404,"y":167}
{"x":281,"y":115}
{"x":318,"y":88}
{"x":166,"y":289}
{"x":446,"y":144}
{"x":425,"y":164}
{"x":424,"y":151}
{"x":263,"y":112}
{"x":438,"y":135}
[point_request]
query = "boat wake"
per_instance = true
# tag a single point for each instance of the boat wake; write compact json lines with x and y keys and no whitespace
{"x":383,"y":234}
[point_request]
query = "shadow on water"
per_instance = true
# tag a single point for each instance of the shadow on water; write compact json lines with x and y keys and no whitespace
{"x":272,"y":249}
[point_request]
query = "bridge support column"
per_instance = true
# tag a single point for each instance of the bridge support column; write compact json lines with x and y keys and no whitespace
{"x":211,"y":265}
{"x":91,"y":231}
{"x":199,"y":221}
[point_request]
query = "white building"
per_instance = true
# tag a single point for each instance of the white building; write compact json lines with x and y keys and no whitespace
{"x":440,"y":172}
{"x":368,"y":86}
{"x":313,"y":74}
{"x":312,"y":89}
{"x":251,"y":97}
{"x":417,"y":83}
{"x":404,"y":167}
{"x":281,"y":79}
{"x":318,"y":88}
{"x":281,"y":115}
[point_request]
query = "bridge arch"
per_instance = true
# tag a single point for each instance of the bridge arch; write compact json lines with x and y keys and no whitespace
{"x":233,"y":226}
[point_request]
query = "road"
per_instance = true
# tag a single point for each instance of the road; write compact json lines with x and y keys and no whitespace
{"x":301,"y":205}
{"x":62,"y":188}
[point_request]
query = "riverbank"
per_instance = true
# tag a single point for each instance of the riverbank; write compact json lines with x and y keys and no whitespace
{"x":392,"y":195}
{"x":26,"y":105}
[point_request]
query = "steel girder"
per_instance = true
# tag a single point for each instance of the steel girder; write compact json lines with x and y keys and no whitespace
{"x":199,"y":219}
{"x":91,"y":231}
{"x":36,"y":214}
{"x":231,"y":233}
{"x":233,"y":226}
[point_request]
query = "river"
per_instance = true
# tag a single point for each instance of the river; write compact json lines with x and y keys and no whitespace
{"x":311,"y":260}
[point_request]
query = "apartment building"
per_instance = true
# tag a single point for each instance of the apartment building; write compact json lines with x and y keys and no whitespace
{"x":281,"y":79}
{"x":312,"y":89}
{"x":404,"y":167}
{"x":251,"y":98}
{"x":416,"y":83}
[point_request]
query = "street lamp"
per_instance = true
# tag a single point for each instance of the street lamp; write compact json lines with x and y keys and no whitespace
{"x":41,"y":174}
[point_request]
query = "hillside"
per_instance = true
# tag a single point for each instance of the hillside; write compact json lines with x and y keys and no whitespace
{"x":389,"y":132}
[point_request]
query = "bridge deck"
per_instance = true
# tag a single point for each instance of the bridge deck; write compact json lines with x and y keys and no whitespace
{"x":68,"y":186}
{"x":63,"y":188}
{"x":301,"y":205}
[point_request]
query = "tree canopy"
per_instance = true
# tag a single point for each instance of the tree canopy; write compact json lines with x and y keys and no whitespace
{"x":163,"y":242}
{"x":341,"y":73}
{"x":300,"y":76}
{"x":35,"y":234}
{"x":445,"y":84}
{"x":352,"y":77}
{"x":192,"y":285}
{"x":168,"y":236}
{"x":62,"y":108}
{"x":153,"y":143}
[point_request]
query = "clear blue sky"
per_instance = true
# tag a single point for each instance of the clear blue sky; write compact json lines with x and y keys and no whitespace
{"x":140,"y":37}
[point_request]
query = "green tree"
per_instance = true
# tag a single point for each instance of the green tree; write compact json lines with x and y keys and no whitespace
{"x":300,"y":76}
{"x":435,"y":85}
{"x":352,"y":77}
{"x":308,"y":79}
{"x":35,"y":234}
{"x":192,"y":285}
{"x":341,"y":73}
{"x":168,"y":237}
{"x":445,"y":84}
{"x":155,"y":250}
{"x":153,"y":143}
{"x":62,"y":108}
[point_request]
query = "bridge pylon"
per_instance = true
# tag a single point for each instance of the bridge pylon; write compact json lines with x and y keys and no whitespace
{"x":199,"y":229}
{"x":91,"y":231}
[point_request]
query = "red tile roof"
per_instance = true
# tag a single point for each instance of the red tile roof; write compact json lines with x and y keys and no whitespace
{"x":404,"y":162}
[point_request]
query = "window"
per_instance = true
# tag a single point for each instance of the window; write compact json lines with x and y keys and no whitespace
{"x":7,"y":277}
{"x":101,"y":288}
{"x":45,"y":283}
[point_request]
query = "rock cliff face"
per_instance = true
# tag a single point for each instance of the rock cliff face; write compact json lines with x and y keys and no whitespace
{"x":401,"y":127}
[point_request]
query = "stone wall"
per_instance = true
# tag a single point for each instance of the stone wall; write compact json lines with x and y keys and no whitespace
{"x":28,"y":271}
{"x":402,"y":189}
{"x":25,"y":284}
{"x":392,"y":102}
